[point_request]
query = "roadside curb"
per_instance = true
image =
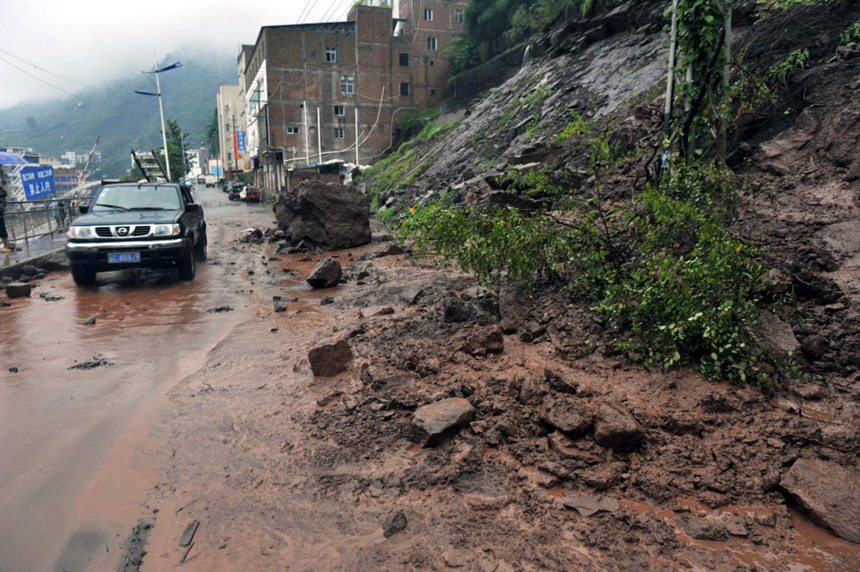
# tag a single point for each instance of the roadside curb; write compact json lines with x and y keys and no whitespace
{"x":52,"y":260}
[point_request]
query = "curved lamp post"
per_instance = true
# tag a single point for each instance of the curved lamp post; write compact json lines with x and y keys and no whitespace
{"x":161,"y":108}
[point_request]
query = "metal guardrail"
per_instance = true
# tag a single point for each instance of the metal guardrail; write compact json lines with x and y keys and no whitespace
{"x":29,"y":220}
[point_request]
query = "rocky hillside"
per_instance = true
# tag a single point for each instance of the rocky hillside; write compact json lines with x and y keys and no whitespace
{"x":586,"y":418}
{"x":795,"y":163}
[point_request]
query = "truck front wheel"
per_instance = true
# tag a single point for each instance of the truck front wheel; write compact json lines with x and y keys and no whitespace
{"x":83,"y":276}
{"x":188,"y":266}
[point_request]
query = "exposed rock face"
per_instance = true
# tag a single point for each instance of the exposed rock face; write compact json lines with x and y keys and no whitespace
{"x":324,"y":215}
{"x":330,"y":359}
{"x":326,"y":274}
{"x":432,"y":422}
{"x":829,"y":492}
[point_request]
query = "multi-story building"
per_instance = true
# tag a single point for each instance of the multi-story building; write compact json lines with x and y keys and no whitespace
{"x":230,"y":106}
{"x":316,"y":92}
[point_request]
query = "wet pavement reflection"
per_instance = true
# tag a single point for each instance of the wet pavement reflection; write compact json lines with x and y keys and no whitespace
{"x":139,"y":330}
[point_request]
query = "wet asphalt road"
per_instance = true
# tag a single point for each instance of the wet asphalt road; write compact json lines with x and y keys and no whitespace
{"x":72,"y":440}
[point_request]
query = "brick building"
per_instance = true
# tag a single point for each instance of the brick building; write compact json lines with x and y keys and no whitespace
{"x":336,"y":90}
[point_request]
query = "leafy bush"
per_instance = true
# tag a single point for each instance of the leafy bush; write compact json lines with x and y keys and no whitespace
{"x":754,"y":93}
{"x":667,"y":272}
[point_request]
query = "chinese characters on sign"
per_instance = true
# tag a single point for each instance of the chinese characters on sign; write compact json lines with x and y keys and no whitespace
{"x":38,"y":182}
{"x":238,"y":143}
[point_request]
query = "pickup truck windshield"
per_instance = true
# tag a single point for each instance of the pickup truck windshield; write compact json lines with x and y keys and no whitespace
{"x":145,"y":197}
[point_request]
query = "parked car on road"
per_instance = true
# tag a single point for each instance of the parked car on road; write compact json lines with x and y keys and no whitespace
{"x":137,"y":225}
{"x":235,"y":192}
{"x":252,"y":194}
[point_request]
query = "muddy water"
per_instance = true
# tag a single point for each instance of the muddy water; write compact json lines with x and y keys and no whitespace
{"x":61,"y":427}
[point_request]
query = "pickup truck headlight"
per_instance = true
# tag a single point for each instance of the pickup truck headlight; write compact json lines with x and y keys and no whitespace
{"x":166,"y":230}
{"x":81,"y":232}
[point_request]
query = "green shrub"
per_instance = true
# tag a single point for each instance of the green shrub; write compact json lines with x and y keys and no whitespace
{"x":667,"y":272}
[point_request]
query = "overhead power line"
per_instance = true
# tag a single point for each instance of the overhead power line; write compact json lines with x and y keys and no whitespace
{"x":35,"y":77}
{"x":41,"y":69}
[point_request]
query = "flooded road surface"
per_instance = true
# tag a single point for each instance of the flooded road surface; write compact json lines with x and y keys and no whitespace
{"x":82,"y":393}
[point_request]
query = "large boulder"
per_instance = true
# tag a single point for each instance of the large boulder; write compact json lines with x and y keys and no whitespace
{"x":324,"y":215}
{"x":829,"y":492}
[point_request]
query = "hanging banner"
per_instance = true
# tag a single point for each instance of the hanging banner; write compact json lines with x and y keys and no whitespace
{"x":38,"y":182}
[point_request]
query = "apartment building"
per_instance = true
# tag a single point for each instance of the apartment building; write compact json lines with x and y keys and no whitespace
{"x":336,"y":90}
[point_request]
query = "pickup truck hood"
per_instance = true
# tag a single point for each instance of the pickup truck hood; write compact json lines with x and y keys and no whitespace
{"x":127,"y":217}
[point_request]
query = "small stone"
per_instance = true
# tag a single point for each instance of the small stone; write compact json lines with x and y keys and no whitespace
{"x":432,"y":422}
{"x":89,"y":321}
{"x":394,"y":524}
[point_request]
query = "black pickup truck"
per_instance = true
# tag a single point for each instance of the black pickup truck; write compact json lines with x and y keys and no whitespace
{"x":137,"y":225}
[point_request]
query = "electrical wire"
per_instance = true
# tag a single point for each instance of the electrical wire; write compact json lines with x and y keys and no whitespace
{"x":309,"y":12}
{"x":46,"y":71}
{"x":35,"y":77}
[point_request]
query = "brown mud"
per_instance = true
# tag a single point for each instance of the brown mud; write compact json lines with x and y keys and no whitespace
{"x":284,"y":471}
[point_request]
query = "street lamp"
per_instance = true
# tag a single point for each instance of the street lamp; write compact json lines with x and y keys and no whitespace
{"x":161,"y":108}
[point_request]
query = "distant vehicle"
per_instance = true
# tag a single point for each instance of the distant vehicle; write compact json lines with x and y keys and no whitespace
{"x":211,"y":180}
{"x":201,"y":179}
{"x":137,"y":225}
{"x":252,"y":194}
{"x":235,"y":192}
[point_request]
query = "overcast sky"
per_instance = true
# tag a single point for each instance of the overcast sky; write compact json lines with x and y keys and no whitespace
{"x":90,"y":42}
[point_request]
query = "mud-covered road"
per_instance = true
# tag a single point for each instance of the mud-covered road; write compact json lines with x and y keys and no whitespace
{"x":79,"y":420}
{"x":201,"y":441}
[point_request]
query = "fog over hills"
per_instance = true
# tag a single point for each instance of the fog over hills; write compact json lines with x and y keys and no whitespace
{"x":118,"y":116}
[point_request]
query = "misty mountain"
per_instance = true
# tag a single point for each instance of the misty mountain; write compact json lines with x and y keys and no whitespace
{"x":121,"y":118}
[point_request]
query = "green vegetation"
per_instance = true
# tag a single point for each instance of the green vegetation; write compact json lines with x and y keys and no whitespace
{"x":210,"y":134}
{"x":576,"y":127}
{"x":755,"y":94}
{"x":492,"y":26}
{"x":678,"y":286}
{"x":177,"y":145}
{"x":666,"y":270}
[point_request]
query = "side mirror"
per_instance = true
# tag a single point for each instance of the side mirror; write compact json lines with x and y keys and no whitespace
{"x":192,"y":208}
{"x":83,"y":209}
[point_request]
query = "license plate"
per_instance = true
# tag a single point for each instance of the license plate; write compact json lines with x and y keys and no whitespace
{"x":120,"y":257}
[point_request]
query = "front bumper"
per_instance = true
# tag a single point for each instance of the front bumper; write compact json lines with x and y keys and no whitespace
{"x":153,"y":253}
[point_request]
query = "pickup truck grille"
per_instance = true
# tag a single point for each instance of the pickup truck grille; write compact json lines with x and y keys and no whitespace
{"x":122,"y":231}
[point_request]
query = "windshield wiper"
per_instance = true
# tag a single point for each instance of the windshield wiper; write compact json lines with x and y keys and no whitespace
{"x":153,"y":209}
{"x":111,"y":206}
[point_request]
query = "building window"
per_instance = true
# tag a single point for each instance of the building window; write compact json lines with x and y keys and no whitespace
{"x":458,"y":15}
{"x":339,"y":110}
{"x":347,"y":85}
{"x":404,"y":88}
{"x":404,"y":59}
{"x":331,"y":55}
{"x":292,"y":130}
{"x":431,"y":44}
{"x":428,"y":14}
{"x":338,"y":132}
